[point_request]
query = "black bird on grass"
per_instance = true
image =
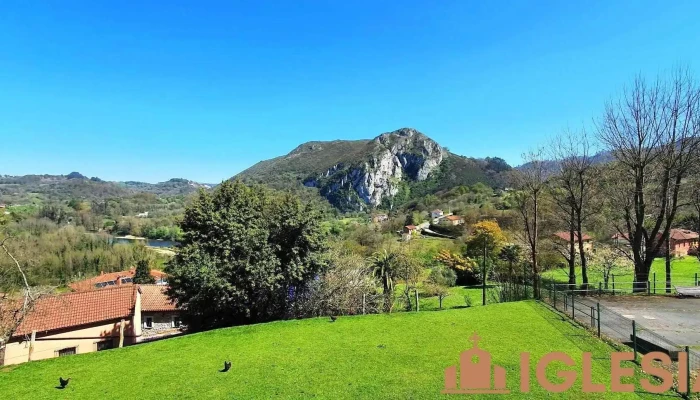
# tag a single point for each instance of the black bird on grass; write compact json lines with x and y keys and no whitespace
{"x":63,"y":382}
{"x":227,"y":366}
{"x":333,"y":318}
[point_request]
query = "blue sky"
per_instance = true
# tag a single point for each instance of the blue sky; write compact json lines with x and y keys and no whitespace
{"x":202,"y":90}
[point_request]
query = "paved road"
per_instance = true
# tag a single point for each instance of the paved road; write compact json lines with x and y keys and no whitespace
{"x":675,"y":319}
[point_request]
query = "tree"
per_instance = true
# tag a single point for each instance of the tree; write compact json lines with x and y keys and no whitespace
{"x":464,"y":267}
{"x":247,"y":255}
{"x":13,"y":310}
{"x":142,"y":274}
{"x":487,"y":234}
{"x":347,"y":287}
{"x":652,"y":132}
{"x":529,"y":180}
{"x":408,"y":270}
{"x":384,"y":263}
{"x":574,"y":191}
{"x":443,"y":276}
{"x":440,"y":291}
{"x":607,"y":259}
{"x":439,"y":282}
{"x":512,"y":255}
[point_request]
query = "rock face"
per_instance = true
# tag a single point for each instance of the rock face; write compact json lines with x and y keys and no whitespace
{"x":393,"y":157}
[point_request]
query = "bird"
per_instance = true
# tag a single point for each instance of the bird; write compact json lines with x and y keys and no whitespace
{"x":227,"y":366}
{"x":63,"y":382}
{"x":333,"y":318}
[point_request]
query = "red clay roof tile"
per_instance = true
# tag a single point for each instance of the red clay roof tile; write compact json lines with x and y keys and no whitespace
{"x":153,"y":298}
{"x":79,"y":308}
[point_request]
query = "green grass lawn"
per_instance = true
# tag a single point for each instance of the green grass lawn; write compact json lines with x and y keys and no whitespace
{"x":683,"y":272}
{"x":399,"y":356}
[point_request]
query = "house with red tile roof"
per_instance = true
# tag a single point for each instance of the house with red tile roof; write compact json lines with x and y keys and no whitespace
{"x":112,"y":279}
{"x":564,"y":237}
{"x":682,"y":240}
{"x":93,"y":320}
{"x":453,"y":220}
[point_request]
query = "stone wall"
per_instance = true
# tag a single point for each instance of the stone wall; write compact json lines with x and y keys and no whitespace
{"x":162,"y":323}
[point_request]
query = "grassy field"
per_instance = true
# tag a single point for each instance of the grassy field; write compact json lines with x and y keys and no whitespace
{"x":400,"y":356}
{"x":683,"y":271}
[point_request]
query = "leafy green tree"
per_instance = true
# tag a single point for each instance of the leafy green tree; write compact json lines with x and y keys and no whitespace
{"x":439,"y":282}
{"x":439,"y":291}
{"x":247,"y":255}
{"x":511,"y":254}
{"x":443,"y":276}
{"x":142,"y":274}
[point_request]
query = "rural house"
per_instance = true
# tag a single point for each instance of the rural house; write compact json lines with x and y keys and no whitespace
{"x":115,"y":279}
{"x":563,"y":237}
{"x":452,"y":220}
{"x":436,"y":214}
{"x":89,"y":321}
{"x":408,"y":232}
{"x":682,"y":240}
{"x":159,"y":316}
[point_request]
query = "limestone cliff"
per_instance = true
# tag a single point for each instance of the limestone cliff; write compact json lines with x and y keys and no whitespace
{"x":405,"y":154}
{"x":392,"y":168}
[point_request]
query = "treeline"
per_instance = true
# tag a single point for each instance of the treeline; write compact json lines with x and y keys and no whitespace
{"x":55,"y":255}
{"x":120,"y":216}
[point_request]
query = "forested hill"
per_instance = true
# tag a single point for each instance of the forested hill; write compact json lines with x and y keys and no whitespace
{"x":13,"y":189}
{"x":388,"y":170}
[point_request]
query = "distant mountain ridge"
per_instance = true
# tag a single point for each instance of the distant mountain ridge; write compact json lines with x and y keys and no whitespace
{"x":77,"y":185}
{"x":379,"y":172}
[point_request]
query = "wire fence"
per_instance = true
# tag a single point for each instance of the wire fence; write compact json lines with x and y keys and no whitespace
{"x":583,"y":307}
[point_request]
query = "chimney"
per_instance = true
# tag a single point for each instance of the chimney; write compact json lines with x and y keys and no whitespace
{"x":119,"y":280}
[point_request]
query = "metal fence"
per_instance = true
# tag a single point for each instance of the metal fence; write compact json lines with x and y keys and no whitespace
{"x":583,"y":307}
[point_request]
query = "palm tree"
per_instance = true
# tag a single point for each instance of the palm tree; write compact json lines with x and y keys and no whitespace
{"x":384,"y":264}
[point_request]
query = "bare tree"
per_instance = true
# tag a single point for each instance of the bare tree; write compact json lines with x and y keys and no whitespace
{"x":565,"y":210}
{"x":14,"y":309}
{"x":574,"y":190}
{"x":529,"y":180}
{"x":652,"y":132}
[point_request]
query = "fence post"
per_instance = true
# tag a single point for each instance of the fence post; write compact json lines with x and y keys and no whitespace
{"x":592,"y":317}
{"x":613,"y":282}
{"x":696,"y":279}
{"x":573,"y":305}
{"x":654,"y":282}
{"x":634,"y":339}
{"x":598,"y":305}
{"x":648,"y":288}
{"x":600,"y":289}
{"x":555,"y":296}
{"x":364,"y":302}
{"x":417,"y":303}
{"x":687,"y":371}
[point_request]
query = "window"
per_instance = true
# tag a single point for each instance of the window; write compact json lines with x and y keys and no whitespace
{"x":105,"y":345}
{"x":68,"y":351}
{"x":127,"y":280}
{"x":176,"y":322}
{"x":148,"y":322}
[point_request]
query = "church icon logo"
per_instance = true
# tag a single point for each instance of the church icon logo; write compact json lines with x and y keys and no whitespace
{"x":475,"y":372}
